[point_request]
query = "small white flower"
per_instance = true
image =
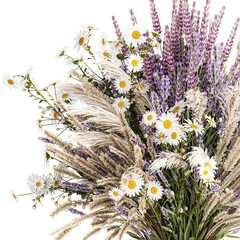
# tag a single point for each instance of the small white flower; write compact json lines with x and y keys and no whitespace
{"x":191,"y":126}
{"x":174,"y":135}
{"x":121,"y":104}
{"x":149,"y":118}
{"x":155,"y":190}
{"x":36,"y":185}
{"x":134,"y":63}
{"x":167,"y":122}
{"x":65,"y":95}
{"x":116,"y":46}
{"x":47,"y":181}
{"x":181,"y":210}
{"x":206,"y":174}
{"x":123,"y":84}
{"x":103,"y":39}
{"x":115,"y":194}
{"x":160,"y":137}
{"x":57,"y":180}
{"x":81,"y":40}
{"x":134,"y":35}
{"x":131,"y":184}
{"x":11,"y":81}
{"x":143,"y":86}
{"x":211,"y":121}
{"x":178,"y":108}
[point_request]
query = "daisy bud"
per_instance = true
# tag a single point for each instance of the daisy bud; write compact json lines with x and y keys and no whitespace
{"x":34,"y":207}
{"x":186,"y":208}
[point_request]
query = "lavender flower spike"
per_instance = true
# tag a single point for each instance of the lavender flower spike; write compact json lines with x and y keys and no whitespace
{"x":133,"y":18}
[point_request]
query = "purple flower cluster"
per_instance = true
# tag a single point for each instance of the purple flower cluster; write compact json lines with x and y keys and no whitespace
{"x":71,"y":186}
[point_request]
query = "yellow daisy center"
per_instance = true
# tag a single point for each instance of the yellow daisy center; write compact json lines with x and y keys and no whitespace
{"x":207,"y":164}
{"x":176,"y":109}
{"x":132,"y":184}
{"x":136,"y":34}
{"x":205,"y":172}
{"x":174,"y":135}
{"x":90,"y":27}
{"x":149,"y":117}
{"x":56,"y":183}
{"x":14,"y":196}
{"x":106,"y":54}
{"x":121,"y":104}
{"x":211,"y":121}
{"x":55,"y":115}
{"x":141,"y":86}
{"x":194,"y":126}
{"x":167,"y":124}
{"x":115,"y":193}
{"x":154,"y":190}
{"x":122,"y":84}
{"x":10,"y":81}
{"x":65,"y":95}
{"x":38,"y":184}
{"x":135,"y":63}
{"x":208,"y":179}
{"x":117,"y":44}
{"x":103,"y":41}
{"x":81,"y":41}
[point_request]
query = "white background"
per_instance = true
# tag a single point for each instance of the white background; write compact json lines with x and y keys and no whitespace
{"x":32,"y":33}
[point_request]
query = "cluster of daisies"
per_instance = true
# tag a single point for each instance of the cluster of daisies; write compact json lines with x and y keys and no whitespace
{"x":133,"y":185}
{"x":40,"y":185}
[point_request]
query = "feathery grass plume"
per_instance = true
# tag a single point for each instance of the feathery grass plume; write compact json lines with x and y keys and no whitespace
{"x":151,"y":148}
{"x":228,"y":227}
{"x":220,"y":216}
{"x":119,"y":143}
{"x":92,"y":233}
{"x":111,"y":70}
{"x":235,"y":183}
{"x":233,"y":156}
{"x":113,"y":234}
{"x":234,"y":174}
{"x":126,"y":160}
{"x":63,"y":207}
{"x":90,"y":90}
{"x":65,"y":146}
{"x":79,"y":127}
{"x":228,"y":220}
{"x":226,"y":197}
{"x":127,"y":200}
{"x":106,"y":202}
{"x":126,"y":226}
{"x":196,"y":156}
{"x":138,"y":157}
{"x":197,"y":102}
{"x":109,"y":163}
{"x":212,"y":202}
{"x":230,"y":100}
{"x":143,"y":98}
{"x":168,"y":160}
{"x":98,"y":140}
{"x":111,"y":181}
{"x":68,"y":173}
{"x":132,"y":213}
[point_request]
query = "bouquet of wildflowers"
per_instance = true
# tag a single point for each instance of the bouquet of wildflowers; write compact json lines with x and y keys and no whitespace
{"x":147,"y":132}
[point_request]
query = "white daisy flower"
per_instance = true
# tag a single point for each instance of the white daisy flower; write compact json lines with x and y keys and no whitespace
{"x":14,"y":196}
{"x":134,"y":35}
{"x":143,"y":86}
{"x":65,"y":95}
{"x":81,"y":40}
{"x":123,"y":84}
{"x":155,"y":191}
{"x":149,"y":118}
{"x":47,"y":181}
{"x":193,"y":126}
{"x":103,"y":39}
{"x":115,"y":194}
{"x":134,"y":63}
{"x":36,"y":185}
{"x":178,"y":108}
{"x":116,"y":46}
{"x":11,"y":81}
{"x":160,"y":137}
{"x":131,"y":184}
{"x":210,"y":162}
{"x":211,"y":121}
{"x":167,"y":122}
{"x":57,"y":180}
{"x":206,"y":174}
{"x":174,"y":136}
{"x":121,"y":104}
